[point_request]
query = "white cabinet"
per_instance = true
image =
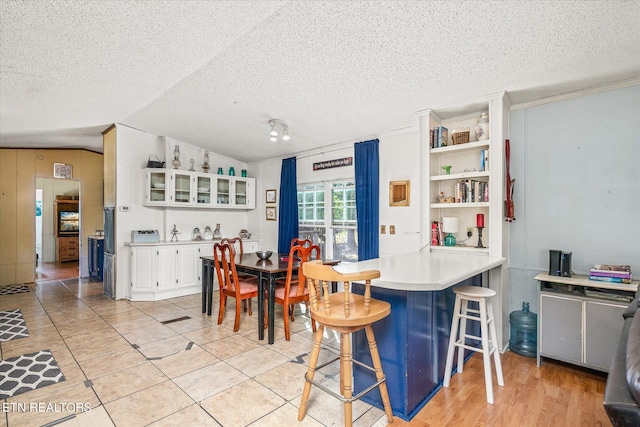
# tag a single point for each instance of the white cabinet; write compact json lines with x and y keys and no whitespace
{"x":168,"y":270}
{"x":235,"y":192}
{"x":164,"y":271}
{"x":173,"y":187}
{"x":156,"y":187}
{"x":472,"y":174}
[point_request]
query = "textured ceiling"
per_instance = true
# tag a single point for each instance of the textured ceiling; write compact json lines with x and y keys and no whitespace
{"x":212,"y":73}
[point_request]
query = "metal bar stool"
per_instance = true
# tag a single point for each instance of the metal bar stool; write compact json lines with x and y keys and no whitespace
{"x":484,"y":315}
{"x":345,"y":313}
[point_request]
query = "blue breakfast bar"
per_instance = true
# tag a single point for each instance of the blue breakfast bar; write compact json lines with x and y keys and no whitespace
{"x":413,"y":340}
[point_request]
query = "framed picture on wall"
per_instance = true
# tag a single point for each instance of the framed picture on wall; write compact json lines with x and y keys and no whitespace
{"x":271,"y":196}
{"x":61,"y":170}
{"x":271,"y":213}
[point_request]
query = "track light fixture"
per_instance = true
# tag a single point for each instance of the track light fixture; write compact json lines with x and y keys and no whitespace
{"x":279,"y":128}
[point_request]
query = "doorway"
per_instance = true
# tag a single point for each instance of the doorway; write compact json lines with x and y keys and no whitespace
{"x":48,"y":266}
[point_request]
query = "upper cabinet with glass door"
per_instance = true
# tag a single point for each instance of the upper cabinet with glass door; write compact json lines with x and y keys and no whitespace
{"x":244,"y":193}
{"x":204,"y":190}
{"x":181,"y":188}
{"x":157,"y":187}
{"x":172,"y":187}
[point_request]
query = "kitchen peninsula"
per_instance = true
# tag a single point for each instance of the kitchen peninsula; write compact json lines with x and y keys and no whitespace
{"x":413,"y":340}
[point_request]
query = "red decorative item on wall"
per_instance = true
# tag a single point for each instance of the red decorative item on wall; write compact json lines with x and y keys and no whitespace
{"x":509,"y":209}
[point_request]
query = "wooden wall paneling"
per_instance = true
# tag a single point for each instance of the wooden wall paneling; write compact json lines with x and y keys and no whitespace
{"x":25,"y":221}
{"x":8,"y":213}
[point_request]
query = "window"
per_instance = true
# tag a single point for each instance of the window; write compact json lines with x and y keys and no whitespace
{"x":332,"y":226}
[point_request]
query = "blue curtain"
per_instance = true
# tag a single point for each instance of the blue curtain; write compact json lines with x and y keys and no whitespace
{"x":367,"y":170}
{"x":288,"y":221}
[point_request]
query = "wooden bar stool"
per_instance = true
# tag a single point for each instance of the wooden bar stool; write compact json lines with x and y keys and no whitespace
{"x":345,"y":313}
{"x":461,"y":313}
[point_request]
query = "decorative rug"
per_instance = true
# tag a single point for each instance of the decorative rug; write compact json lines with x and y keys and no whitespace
{"x":13,"y":289}
{"x":12,"y":325}
{"x":28,"y":372}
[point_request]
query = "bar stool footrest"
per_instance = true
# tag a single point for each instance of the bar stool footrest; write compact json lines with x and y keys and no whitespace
{"x":338,"y":396}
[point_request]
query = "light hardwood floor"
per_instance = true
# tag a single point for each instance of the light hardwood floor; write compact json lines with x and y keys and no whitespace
{"x":555,"y":394}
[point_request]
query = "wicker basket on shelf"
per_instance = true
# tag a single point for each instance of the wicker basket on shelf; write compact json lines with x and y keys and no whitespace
{"x":460,"y":136}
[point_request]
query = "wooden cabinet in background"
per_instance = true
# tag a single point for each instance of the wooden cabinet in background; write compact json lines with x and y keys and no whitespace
{"x":67,"y":249}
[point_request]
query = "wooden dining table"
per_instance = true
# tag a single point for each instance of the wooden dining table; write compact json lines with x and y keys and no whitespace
{"x":267,"y":272}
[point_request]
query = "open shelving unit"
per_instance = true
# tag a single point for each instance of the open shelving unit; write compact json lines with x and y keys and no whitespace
{"x":465,"y":166}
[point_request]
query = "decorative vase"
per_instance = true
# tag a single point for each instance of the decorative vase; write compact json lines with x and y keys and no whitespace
{"x":191,"y":168}
{"x":447,"y":170}
{"x":205,"y":165}
{"x":176,"y":157}
{"x":482,"y":127}
{"x":232,"y":171}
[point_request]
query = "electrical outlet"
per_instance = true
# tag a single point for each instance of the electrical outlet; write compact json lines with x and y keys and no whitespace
{"x":469,"y":231}
{"x":383,"y":229}
{"x":392,"y":229}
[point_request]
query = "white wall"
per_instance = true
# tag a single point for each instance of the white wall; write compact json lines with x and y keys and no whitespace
{"x":133,"y":148}
{"x":577,"y":168}
{"x":399,"y":161}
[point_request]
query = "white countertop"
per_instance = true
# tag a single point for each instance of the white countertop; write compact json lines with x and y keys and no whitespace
{"x":181,"y":242}
{"x":423,"y":271}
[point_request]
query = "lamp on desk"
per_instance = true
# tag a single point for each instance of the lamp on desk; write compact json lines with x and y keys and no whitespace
{"x":450,"y":226}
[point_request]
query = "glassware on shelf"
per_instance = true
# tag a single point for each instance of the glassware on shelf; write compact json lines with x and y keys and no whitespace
{"x":232,"y":171}
{"x":447,"y":170}
{"x":217,"y":235}
{"x":208,"y":233}
{"x":219,"y":171}
{"x":191,"y":168}
{"x":176,"y":157}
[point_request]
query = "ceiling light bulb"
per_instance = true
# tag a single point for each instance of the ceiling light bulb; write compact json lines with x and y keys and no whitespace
{"x":273,"y":139}
{"x":285,"y":134}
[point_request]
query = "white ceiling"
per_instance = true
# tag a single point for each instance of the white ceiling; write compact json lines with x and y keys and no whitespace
{"x":212,"y":73}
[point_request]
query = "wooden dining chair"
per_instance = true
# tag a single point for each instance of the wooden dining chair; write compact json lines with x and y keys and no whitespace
{"x":230,"y":284}
{"x":302,"y":242}
{"x":293,"y":290}
{"x":345,"y":313}
{"x":236,"y":243}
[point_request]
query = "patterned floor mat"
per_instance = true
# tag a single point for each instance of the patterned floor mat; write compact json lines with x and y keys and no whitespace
{"x":28,"y":372}
{"x":13,"y":289}
{"x":12,"y":325}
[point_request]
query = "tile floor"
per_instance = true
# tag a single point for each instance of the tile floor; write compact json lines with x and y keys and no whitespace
{"x":126,"y":366}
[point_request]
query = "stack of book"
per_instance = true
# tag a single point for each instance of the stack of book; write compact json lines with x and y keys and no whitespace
{"x":611,"y":273}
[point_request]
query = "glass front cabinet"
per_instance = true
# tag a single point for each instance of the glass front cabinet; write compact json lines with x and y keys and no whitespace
{"x":157,"y":187}
{"x":171,"y":187}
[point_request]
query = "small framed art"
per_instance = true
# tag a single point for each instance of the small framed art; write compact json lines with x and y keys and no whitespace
{"x":271,"y":213}
{"x":271,"y":196}
{"x":61,"y":170}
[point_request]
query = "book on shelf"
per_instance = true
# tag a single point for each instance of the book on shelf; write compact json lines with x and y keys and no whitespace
{"x":603,"y":273}
{"x":471,"y":190}
{"x":609,"y":279}
{"x":439,"y":137}
{"x":611,"y":267}
{"x":434,"y":234}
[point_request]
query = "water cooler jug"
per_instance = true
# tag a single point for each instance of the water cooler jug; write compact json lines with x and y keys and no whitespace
{"x":524,"y":332}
